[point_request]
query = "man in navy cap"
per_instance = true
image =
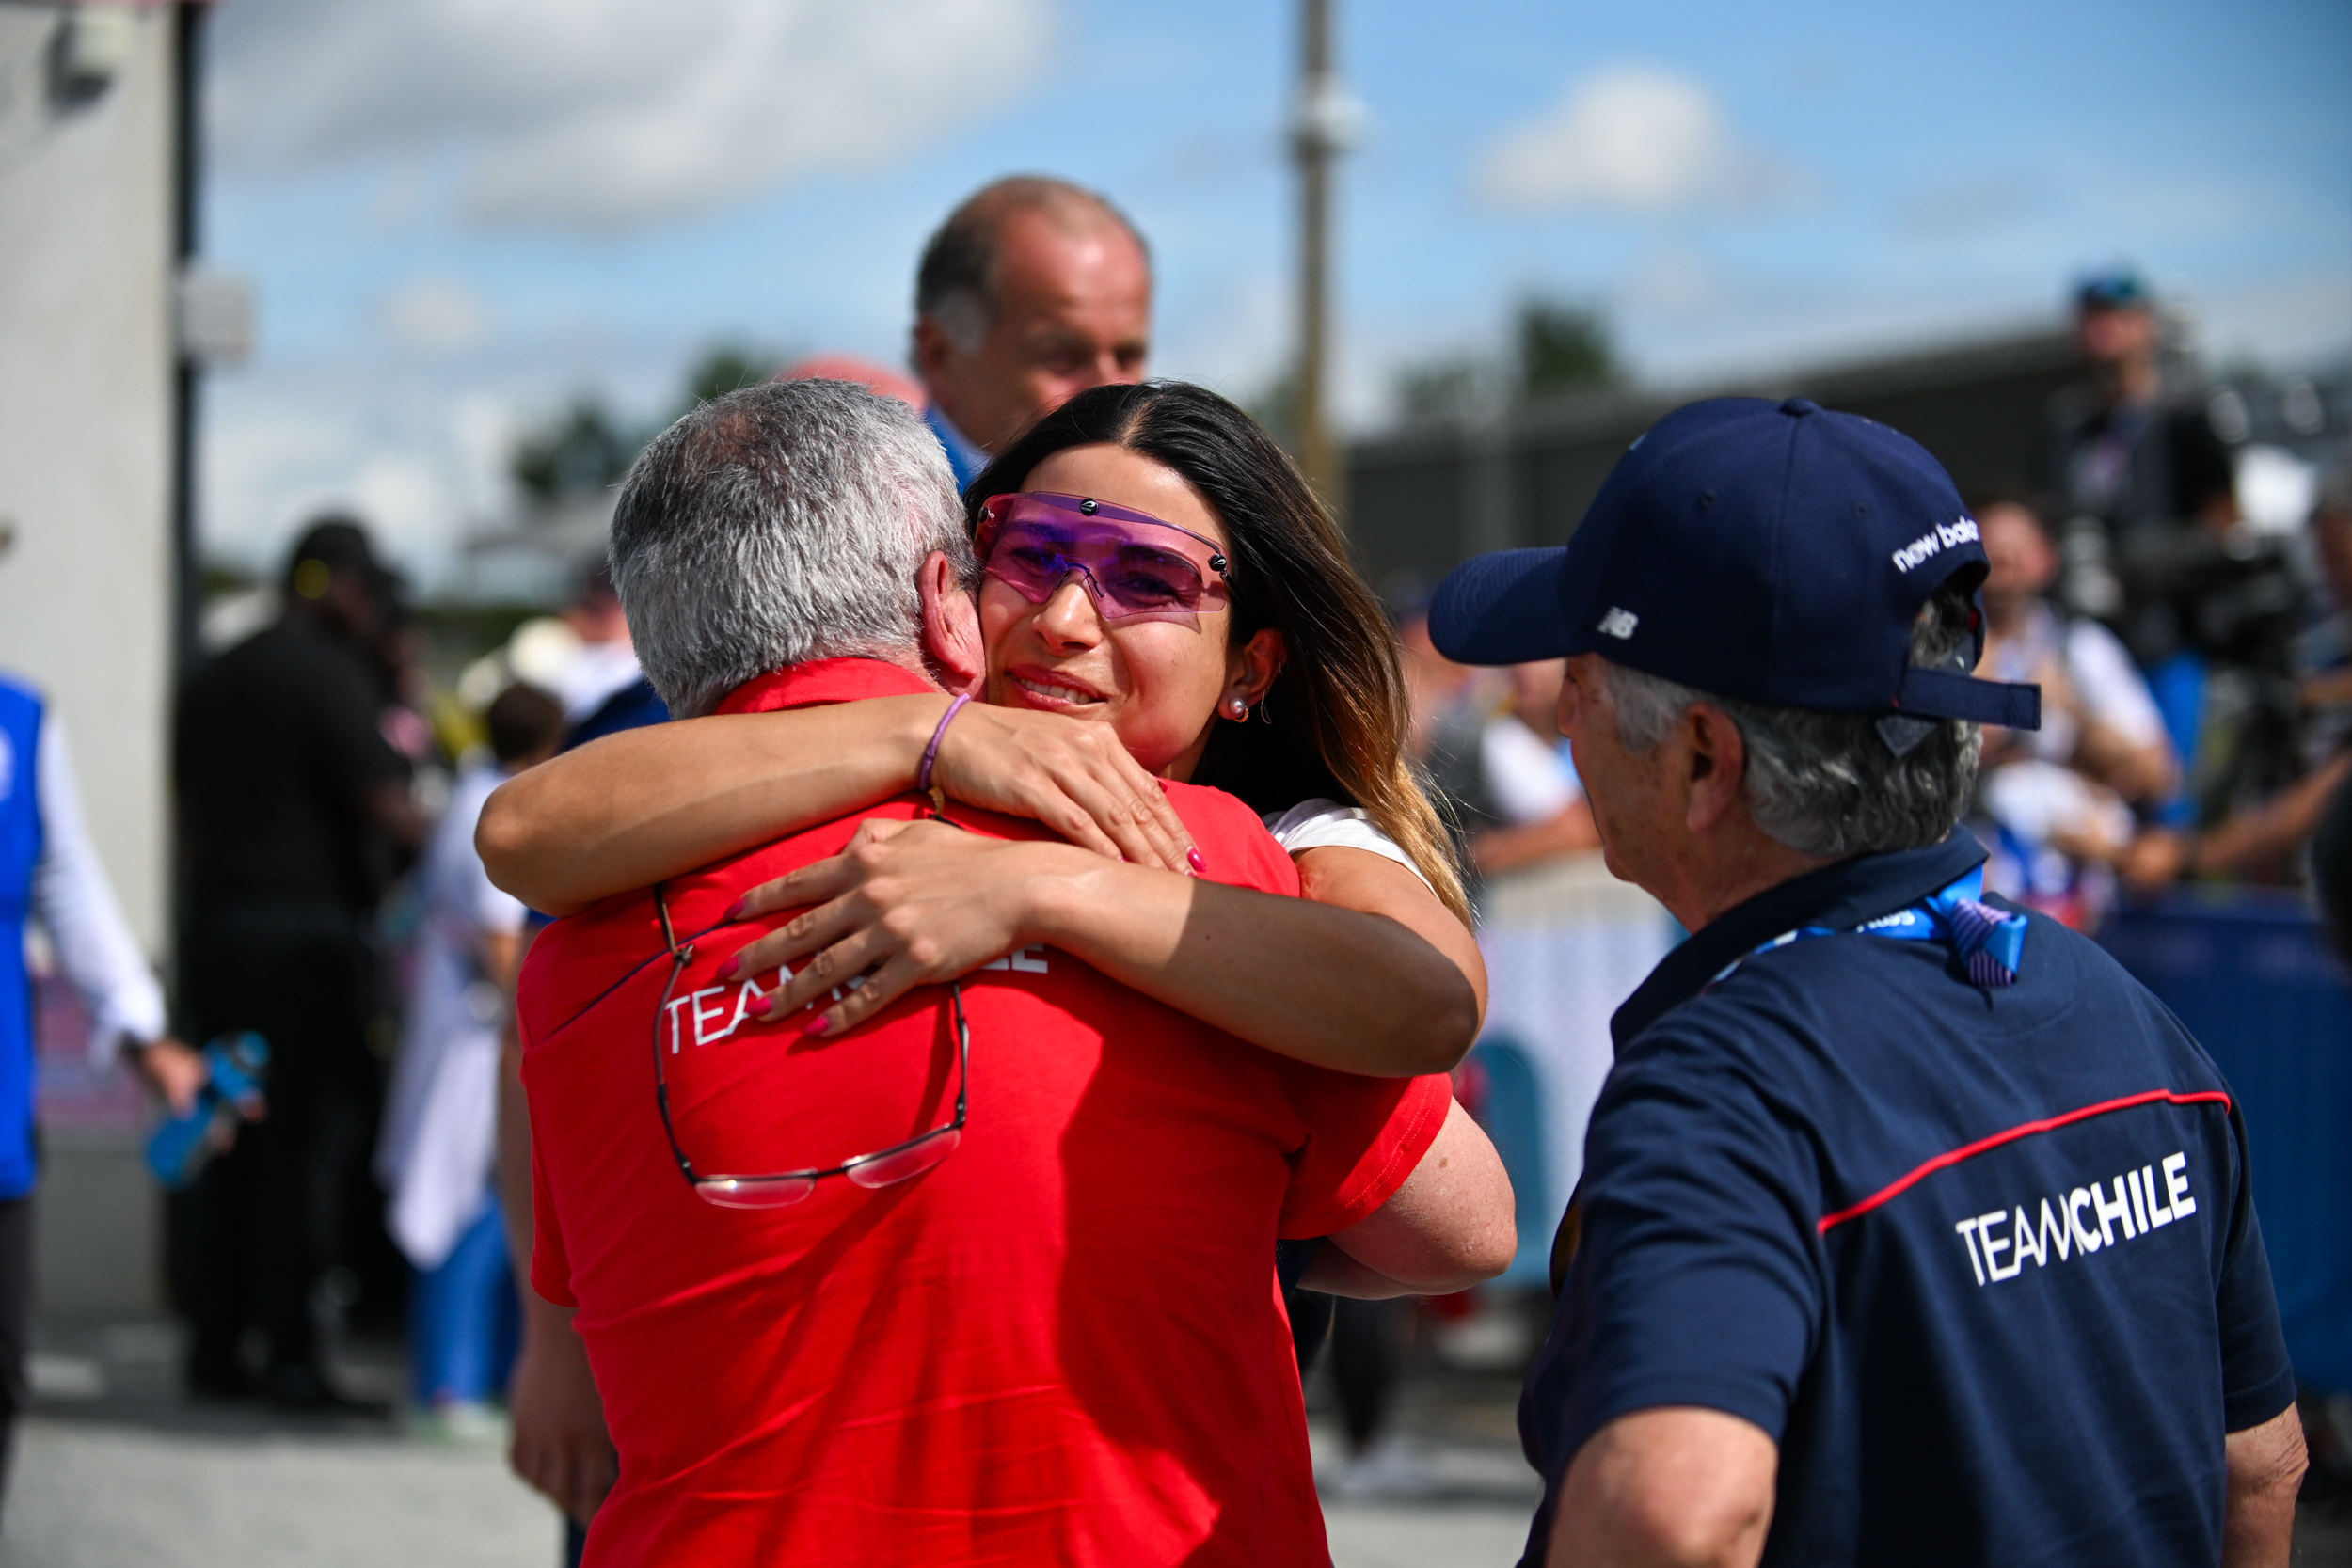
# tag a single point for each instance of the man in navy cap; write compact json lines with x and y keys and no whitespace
{"x":1912,"y":1229}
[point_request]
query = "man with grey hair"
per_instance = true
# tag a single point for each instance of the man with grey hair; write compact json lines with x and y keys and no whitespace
{"x":1911,"y":1228}
{"x":990,"y":1281}
{"x":1031,"y":292}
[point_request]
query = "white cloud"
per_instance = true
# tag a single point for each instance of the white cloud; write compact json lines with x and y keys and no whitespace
{"x":611,"y":113}
{"x":435,"y":315}
{"x":1635,"y":138}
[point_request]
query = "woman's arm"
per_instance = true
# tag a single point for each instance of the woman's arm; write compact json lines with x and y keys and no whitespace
{"x":1361,"y":989}
{"x":627,"y":810}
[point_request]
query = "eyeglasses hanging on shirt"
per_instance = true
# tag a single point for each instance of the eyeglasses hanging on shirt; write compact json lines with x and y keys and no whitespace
{"x":886,"y":1168}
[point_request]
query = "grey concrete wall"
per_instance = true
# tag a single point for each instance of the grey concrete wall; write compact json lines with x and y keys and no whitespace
{"x":85,"y":375}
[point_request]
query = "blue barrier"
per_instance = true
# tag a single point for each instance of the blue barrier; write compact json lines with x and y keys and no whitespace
{"x":1512,"y":1116}
{"x":2252,"y":977}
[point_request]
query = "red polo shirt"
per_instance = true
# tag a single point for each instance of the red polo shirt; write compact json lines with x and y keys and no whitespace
{"x":1062,"y":1345}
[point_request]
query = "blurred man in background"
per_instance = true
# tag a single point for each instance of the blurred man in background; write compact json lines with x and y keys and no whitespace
{"x":2059,"y":801}
{"x":601,"y":687}
{"x":1031,"y":292}
{"x":438,"y":1150}
{"x":2139,"y":466}
{"x":294,"y":815}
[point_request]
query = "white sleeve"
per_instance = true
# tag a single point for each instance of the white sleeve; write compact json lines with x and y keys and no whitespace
{"x":1320,"y":824}
{"x":1524,"y":775}
{"x":2113,"y":690}
{"x":96,"y":951}
{"x":485,"y":906}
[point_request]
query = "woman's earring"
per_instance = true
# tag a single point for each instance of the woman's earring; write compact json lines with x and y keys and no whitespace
{"x":1265,"y":710}
{"x":1238,"y":708}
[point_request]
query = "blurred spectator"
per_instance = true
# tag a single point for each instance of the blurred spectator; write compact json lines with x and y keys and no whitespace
{"x":2137,"y":465}
{"x":2267,"y":781}
{"x":2323,"y":652}
{"x":600,"y":687}
{"x":295,"y":814}
{"x":2059,"y":799}
{"x":1496,"y":755}
{"x":438,"y":1151}
{"x":50,"y":875}
{"x":1031,"y":292}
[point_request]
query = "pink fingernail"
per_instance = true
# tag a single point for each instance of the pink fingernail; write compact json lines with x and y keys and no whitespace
{"x":819,"y":1026}
{"x":1192,"y":858}
{"x":728,"y":969}
{"x":734,"y":911}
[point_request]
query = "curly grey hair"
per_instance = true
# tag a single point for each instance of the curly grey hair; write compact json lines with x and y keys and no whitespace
{"x":779,"y":523}
{"x":1827,"y":784}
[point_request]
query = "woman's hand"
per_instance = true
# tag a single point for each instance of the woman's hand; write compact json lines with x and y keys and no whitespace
{"x":1071,"y":776}
{"x":904,"y":904}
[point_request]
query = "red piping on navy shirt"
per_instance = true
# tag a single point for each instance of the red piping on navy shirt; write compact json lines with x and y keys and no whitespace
{"x":1897,"y":1187}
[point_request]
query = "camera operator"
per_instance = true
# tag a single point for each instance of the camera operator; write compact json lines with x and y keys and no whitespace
{"x":2146,"y":484}
{"x":2281,"y":716}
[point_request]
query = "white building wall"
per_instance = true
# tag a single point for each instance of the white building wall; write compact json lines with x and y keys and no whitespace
{"x":86,"y":377}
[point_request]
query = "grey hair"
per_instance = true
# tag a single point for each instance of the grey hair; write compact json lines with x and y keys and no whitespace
{"x":954,"y":285}
{"x":779,"y":523}
{"x":1826,"y":783}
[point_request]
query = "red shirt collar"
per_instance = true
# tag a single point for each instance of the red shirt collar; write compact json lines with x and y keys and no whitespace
{"x":822,"y":681}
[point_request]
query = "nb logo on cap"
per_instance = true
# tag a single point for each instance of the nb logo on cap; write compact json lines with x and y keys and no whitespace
{"x":1619,"y":623}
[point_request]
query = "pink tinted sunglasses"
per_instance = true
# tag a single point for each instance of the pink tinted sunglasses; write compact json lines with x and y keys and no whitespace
{"x":1134,"y":565}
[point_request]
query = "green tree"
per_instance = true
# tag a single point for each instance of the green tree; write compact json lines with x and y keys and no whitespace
{"x":728,"y":367}
{"x":1563,"y":348}
{"x":579,"y":452}
{"x":587,"y":448}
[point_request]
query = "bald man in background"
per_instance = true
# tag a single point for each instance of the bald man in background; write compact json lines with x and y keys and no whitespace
{"x":1032,"y":290}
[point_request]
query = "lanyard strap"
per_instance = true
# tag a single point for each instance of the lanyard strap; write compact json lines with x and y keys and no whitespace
{"x":1991,"y":942}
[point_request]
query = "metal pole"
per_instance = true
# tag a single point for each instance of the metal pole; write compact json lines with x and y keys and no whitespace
{"x":187,"y":68}
{"x":1316,"y":135}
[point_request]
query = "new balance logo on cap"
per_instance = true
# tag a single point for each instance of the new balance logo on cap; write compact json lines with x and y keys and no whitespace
{"x":1960,"y":530}
{"x":1619,"y":623}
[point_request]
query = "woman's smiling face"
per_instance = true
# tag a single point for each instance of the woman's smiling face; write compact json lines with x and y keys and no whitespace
{"x":1156,"y":682}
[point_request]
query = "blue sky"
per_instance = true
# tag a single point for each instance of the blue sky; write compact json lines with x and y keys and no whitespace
{"x":457,"y":213}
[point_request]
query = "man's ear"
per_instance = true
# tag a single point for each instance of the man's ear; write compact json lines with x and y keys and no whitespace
{"x":1715,"y":763}
{"x":934,"y":355}
{"x":951,"y":626}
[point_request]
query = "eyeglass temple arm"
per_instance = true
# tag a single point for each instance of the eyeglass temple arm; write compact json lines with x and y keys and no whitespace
{"x":679,"y":961}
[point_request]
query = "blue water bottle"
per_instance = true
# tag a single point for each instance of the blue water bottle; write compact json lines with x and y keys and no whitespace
{"x":236,"y":1067}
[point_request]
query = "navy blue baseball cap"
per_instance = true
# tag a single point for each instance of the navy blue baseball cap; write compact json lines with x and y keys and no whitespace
{"x":2112,"y":289}
{"x":1774,"y":552}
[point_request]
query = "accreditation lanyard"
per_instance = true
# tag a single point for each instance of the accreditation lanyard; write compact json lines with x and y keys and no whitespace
{"x":1991,"y":941}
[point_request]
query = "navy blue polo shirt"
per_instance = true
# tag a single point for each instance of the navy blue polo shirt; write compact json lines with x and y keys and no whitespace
{"x":1982,"y":1261}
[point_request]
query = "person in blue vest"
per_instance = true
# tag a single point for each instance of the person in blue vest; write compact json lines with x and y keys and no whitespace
{"x":1031,"y":292}
{"x":1912,"y":1229}
{"x":50,"y":875}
